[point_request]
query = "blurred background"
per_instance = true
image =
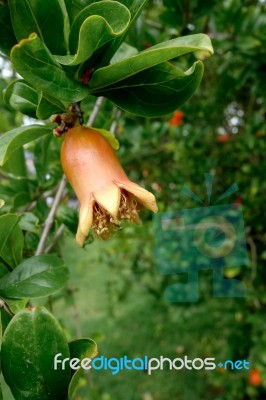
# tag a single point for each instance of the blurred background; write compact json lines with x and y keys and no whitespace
{"x":116,"y":291}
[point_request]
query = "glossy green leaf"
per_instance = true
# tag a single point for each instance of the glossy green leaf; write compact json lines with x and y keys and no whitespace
{"x":34,"y":62}
{"x":75,"y":6}
{"x":11,"y":252}
{"x":94,"y":26}
{"x":107,"y":76}
{"x":16,"y":305}
{"x":29,"y":222}
{"x":30,"y":343}
{"x":7,"y":224}
{"x":5,"y":320}
{"x":81,"y":348}
{"x":124,"y":51}
{"x":13,"y":140}
{"x":45,"y":18}
{"x":48,"y":105}
{"x":135,"y":7}
{"x":22,"y":97}
{"x":35,"y":277}
{"x":20,"y":199}
{"x":8,"y":38}
{"x":11,"y":240}
{"x":68,"y":216}
{"x":158,"y":91}
{"x":3,"y":269}
{"x":109,"y":136}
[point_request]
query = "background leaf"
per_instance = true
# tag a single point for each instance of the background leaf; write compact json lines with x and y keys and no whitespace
{"x":35,"y":277}
{"x":30,"y":342}
{"x":13,"y":140}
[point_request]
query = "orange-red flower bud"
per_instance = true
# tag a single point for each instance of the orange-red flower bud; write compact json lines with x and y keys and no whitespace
{"x":255,"y":377}
{"x":176,"y":119}
{"x":105,"y":193}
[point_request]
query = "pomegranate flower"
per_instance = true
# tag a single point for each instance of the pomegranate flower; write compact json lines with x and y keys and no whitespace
{"x":176,"y":119}
{"x":105,"y":193}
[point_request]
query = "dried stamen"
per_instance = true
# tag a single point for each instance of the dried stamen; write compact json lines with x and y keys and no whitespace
{"x":104,"y":223}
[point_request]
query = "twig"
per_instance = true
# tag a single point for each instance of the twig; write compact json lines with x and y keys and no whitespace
{"x":56,"y":237}
{"x":95,"y":111}
{"x":114,"y":124}
{"x":50,"y":218}
{"x":5,"y":307}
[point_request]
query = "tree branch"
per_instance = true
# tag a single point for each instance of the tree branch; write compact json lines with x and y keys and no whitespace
{"x":95,"y":111}
{"x":50,"y":218}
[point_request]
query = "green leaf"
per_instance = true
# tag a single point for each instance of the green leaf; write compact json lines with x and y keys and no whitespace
{"x":29,"y":222}
{"x":34,"y":62}
{"x":109,"y":136}
{"x":13,"y":140}
{"x":49,"y":105}
{"x":8,"y":38}
{"x":94,"y":26}
{"x":11,"y":240}
{"x":30,"y":343}
{"x":158,"y":91}
{"x":45,"y":18}
{"x":107,"y":76}
{"x":81,"y":348}
{"x":16,"y":305}
{"x":135,"y":7}
{"x":2,"y":203}
{"x":68,"y":216}
{"x":35,"y":277}
{"x":5,"y":320}
{"x":20,"y":199}
{"x":75,"y":6}
{"x":7,"y":224}
{"x":124,"y":51}
{"x":11,"y":252}
{"x":22,"y":97}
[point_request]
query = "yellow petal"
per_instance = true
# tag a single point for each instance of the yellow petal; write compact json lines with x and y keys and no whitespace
{"x":142,"y":195}
{"x":85,"y":217}
{"x":109,"y":199}
{"x":80,"y":238}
